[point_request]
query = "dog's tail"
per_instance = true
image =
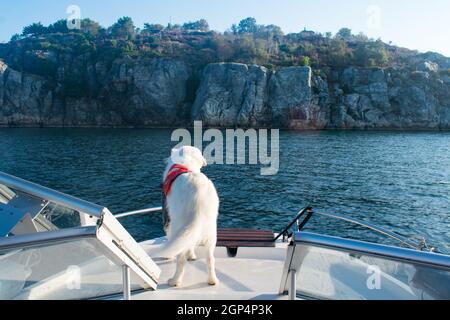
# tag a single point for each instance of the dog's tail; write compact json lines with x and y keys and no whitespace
{"x":182,"y":241}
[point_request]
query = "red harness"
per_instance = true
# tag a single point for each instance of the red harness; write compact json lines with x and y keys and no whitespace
{"x":174,"y":172}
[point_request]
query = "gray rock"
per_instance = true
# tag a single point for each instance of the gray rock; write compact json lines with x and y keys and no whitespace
{"x":291,"y":96}
{"x":154,"y":92}
{"x":130,"y":93}
{"x":232,"y":94}
{"x":429,"y":66}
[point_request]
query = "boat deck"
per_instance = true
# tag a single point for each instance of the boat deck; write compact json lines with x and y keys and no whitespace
{"x":254,"y":274}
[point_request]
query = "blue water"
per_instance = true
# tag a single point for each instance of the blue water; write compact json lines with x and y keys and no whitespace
{"x":399,"y":180}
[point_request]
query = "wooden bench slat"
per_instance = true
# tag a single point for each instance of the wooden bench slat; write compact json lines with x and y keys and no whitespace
{"x":245,"y":232}
{"x":235,"y":238}
{"x":245,"y":236}
{"x":259,"y":235}
{"x":246,"y":244}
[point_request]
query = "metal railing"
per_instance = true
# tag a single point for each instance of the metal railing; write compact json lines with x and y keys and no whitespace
{"x":308,"y":212}
{"x":434,"y":260}
{"x":406,"y":242}
{"x":296,"y":256}
{"x":39,"y":239}
{"x":51,"y":195}
{"x":138,"y":212}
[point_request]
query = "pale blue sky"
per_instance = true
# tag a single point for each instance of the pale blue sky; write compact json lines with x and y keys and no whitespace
{"x":416,"y":24}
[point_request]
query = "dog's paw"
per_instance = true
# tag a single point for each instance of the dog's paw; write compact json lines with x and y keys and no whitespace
{"x":213,"y":281}
{"x":192,"y":257}
{"x":174,"y":283}
{"x":168,"y":259}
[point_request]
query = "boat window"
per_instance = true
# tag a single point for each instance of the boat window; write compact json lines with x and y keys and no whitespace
{"x":325,"y":267}
{"x":22,"y":213}
{"x":62,"y":270}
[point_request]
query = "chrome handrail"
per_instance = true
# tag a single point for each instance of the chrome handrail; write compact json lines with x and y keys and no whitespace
{"x":51,"y":195}
{"x":38,"y":239}
{"x":296,"y":256}
{"x":381,"y":230}
{"x":371,"y":249}
{"x":138,"y":212}
{"x":310,"y":212}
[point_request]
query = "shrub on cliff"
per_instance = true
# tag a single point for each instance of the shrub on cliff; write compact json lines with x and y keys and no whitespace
{"x":34,"y":29}
{"x":200,"y":25}
{"x":371,"y":54}
{"x":123,"y":29}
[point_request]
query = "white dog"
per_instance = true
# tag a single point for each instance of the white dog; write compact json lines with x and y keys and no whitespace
{"x":193,"y":205}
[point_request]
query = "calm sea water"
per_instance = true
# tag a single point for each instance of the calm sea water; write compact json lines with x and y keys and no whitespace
{"x":393,"y":179}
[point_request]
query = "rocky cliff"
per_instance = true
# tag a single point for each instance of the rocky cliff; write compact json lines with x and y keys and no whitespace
{"x":164,"y":92}
{"x":128,"y":93}
{"x":352,"y":98}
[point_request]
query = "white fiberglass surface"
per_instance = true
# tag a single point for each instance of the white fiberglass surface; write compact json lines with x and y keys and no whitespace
{"x":254,"y":274}
{"x":70,"y":270}
{"x":331,"y":274}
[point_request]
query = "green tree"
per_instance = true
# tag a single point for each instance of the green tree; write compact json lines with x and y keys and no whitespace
{"x":59,"y":26}
{"x":371,"y":54}
{"x":361,"y":37}
{"x":124,"y":28}
{"x":150,"y":28}
{"x":35,"y":29}
{"x":344,"y":33}
{"x":288,"y":48}
{"x":305,"y":61}
{"x":15,"y":37}
{"x":338,"y":53}
{"x":90,"y":27}
{"x":248,"y":25}
{"x":271,"y":31}
{"x":173,"y":27}
{"x":200,"y":25}
{"x":234,"y":29}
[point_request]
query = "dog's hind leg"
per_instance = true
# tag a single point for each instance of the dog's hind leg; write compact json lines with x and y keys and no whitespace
{"x":191,"y":255}
{"x":211,"y":262}
{"x":177,"y":279}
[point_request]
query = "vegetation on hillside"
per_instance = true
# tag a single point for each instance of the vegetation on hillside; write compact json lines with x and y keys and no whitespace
{"x":41,"y":49}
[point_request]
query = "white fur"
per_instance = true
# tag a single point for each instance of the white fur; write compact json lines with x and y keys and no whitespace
{"x":193,"y":206}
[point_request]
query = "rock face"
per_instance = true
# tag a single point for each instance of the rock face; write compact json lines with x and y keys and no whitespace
{"x":388,"y":99}
{"x":232,"y":94}
{"x":292,"y":102}
{"x":159,"y":92}
{"x":130,"y":93}
{"x":148,"y":93}
{"x":353,"y":98}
